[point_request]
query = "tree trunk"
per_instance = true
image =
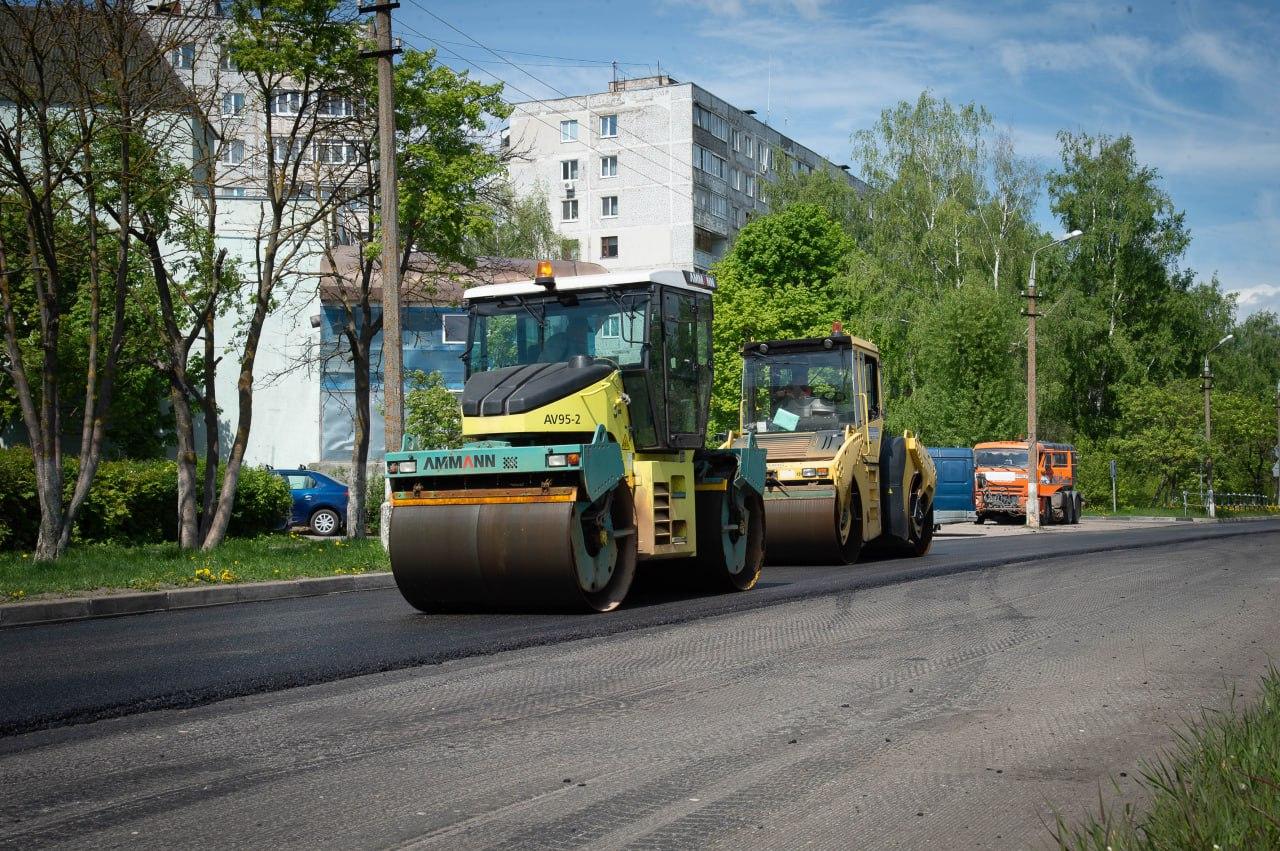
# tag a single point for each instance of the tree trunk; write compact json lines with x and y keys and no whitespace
{"x":49,"y":494}
{"x":212,"y":439}
{"x":360,"y":448}
{"x":188,"y":530}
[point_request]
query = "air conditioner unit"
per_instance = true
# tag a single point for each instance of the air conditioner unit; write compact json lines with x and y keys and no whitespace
{"x":569,"y":187}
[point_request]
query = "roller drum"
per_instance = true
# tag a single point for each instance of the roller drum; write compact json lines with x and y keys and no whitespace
{"x":514,"y":556}
{"x":802,"y":530}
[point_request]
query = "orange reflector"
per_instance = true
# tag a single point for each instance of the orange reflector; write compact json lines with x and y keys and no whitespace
{"x":823,"y":472}
{"x":574,"y":457}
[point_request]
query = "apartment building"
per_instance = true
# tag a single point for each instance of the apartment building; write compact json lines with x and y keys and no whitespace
{"x":652,"y":172}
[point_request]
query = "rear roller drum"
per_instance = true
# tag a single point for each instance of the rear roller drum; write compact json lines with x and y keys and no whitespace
{"x":919,"y":522}
{"x":730,"y":538}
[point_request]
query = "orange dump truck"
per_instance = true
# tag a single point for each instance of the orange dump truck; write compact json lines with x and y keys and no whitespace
{"x":1000,"y":482}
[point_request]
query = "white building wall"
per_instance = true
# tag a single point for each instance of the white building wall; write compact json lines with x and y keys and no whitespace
{"x":663,"y":219}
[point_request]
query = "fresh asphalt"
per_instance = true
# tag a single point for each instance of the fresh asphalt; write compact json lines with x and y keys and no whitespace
{"x":59,"y":674}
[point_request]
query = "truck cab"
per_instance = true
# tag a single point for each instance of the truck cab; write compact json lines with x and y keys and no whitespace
{"x":1000,"y":482}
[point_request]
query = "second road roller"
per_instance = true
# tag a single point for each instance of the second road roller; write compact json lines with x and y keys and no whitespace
{"x":584,"y":415}
{"x":835,"y":481}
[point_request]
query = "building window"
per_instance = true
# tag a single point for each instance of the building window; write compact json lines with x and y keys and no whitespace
{"x":232,"y":192}
{"x":570,"y":249}
{"x":608,"y":247}
{"x":747,"y":146}
{"x":712,"y":123}
{"x":287,"y":150}
{"x":708,"y":162}
{"x":232,"y":152}
{"x":568,"y":169}
{"x":336,"y":152}
{"x":286,"y":103}
{"x":226,"y":63}
{"x":762,"y":151}
{"x":233,"y":103}
{"x":612,"y":326}
{"x":608,"y":166}
{"x":608,"y":126}
{"x":183,"y":57}
{"x":454,"y":329}
{"x":569,"y":131}
{"x":735,"y":179}
{"x":569,"y":211}
{"x":335,"y":106}
{"x":710,"y":202}
{"x":749,"y":185}
{"x":609,"y":206}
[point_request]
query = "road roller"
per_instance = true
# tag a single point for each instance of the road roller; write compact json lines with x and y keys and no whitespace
{"x":584,"y":417}
{"x":834,"y":482}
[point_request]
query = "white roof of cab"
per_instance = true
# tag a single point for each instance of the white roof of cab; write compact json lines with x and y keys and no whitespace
{"x":667,"y":277}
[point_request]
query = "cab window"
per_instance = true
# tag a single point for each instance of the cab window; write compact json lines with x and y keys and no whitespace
{"x":686,"y":321}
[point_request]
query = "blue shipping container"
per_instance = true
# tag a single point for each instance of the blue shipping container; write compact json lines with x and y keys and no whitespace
{"x":953,"y":502}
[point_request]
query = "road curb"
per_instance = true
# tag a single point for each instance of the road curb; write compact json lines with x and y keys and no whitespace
{"x":113,"y":605}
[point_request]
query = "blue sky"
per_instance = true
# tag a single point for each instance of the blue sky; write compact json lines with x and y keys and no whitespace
{"x":1197,"y":84}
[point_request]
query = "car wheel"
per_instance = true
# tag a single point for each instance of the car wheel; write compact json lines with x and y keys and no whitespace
{"x":325,"y":522}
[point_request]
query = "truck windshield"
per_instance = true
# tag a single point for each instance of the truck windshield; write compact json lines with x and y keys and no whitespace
{"x":554,"y":328}
{"x":799,"y":391}
{"x":1001,"y":458}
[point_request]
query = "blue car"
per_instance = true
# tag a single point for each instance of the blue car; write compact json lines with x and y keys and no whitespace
{"x":953,"y":501}
{"x":318,"y":501}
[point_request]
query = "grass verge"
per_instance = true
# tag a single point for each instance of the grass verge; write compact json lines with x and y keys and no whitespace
{"x":90,"y":567}
{"x":1219,"y":788}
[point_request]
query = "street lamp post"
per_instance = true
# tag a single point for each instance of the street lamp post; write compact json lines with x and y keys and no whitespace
{"x":1208,"y":427}
{"x":1033,"y":472}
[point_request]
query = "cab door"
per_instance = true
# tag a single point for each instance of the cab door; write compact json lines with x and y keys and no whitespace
{"x":686,"y":365}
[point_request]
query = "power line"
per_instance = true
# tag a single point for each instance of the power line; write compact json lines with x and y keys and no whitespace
{"x":535,"y":77}
{"x":548,"y":56}
{"x":540,"y":120}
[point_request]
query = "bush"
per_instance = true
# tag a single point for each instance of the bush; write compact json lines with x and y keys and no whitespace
{"x":130,"y":501}
{"x":263,"y":503}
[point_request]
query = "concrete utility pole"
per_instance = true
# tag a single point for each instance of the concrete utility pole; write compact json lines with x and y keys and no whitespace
{"x":392,"y":338}
{"x":1033,"y":459}
{"x":1208,"y":428}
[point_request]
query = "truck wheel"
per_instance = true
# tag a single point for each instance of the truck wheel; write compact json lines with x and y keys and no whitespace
{"x":731,"y":538}
{"x":920,"y":522}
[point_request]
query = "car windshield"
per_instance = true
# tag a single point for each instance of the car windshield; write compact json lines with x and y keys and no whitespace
{"x":799,"y":391}
{"x":1001,"y":458}
{"x":554,"y":328}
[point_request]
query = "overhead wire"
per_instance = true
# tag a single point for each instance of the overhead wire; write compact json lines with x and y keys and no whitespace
{"x":631,"y":165}
{"x":542,"y":82}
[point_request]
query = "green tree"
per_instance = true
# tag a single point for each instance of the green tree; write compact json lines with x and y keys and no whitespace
{"x":970,"y":341}
{"x":822,"y":188}
{"x":781,"y":278}
{"x":431,"y":412}
{"x":1135,"y":317}
{"x":522,"y":228}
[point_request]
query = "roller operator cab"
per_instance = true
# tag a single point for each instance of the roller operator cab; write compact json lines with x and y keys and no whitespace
{"x":584,"y":416}
{"x":834,"y":481}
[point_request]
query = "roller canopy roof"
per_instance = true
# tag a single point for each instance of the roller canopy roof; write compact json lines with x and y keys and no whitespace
{"x":678,"y":278}
{"x":810,"y":344}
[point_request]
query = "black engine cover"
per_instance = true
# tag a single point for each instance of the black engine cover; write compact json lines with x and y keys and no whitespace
{"x":516,"y":389}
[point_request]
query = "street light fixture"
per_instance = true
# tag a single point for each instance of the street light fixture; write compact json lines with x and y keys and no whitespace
{"x":1033,"y":471}
{"x":1210,"y":507}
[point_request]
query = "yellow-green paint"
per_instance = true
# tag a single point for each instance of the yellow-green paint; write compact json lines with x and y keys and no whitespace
{"x":664,"y":497}
{"x":601,"y":403}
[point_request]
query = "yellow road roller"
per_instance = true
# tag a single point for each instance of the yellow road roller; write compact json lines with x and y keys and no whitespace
{"x":584,"y":416}
{"x":834,"y":482}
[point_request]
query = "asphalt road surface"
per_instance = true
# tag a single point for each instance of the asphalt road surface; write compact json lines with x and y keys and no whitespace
{"x":949,"y":701}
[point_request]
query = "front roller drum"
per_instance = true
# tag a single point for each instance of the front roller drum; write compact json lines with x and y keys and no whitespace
{"x":540,"y":555}
{"x":813,"y":530}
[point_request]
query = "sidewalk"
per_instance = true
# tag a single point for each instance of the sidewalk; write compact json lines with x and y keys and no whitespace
{"x":109,"y":604}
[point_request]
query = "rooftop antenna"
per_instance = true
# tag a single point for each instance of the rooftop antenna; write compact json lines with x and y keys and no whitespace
{"x":615,"y":71}
{"x":768,"y":98}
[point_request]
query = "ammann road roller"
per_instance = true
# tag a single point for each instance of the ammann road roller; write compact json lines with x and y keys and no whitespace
{"x":834,"y":482}
{"x":584,"y":415}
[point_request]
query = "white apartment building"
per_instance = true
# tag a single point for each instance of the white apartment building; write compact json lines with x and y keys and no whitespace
{"x":652,"y":172}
